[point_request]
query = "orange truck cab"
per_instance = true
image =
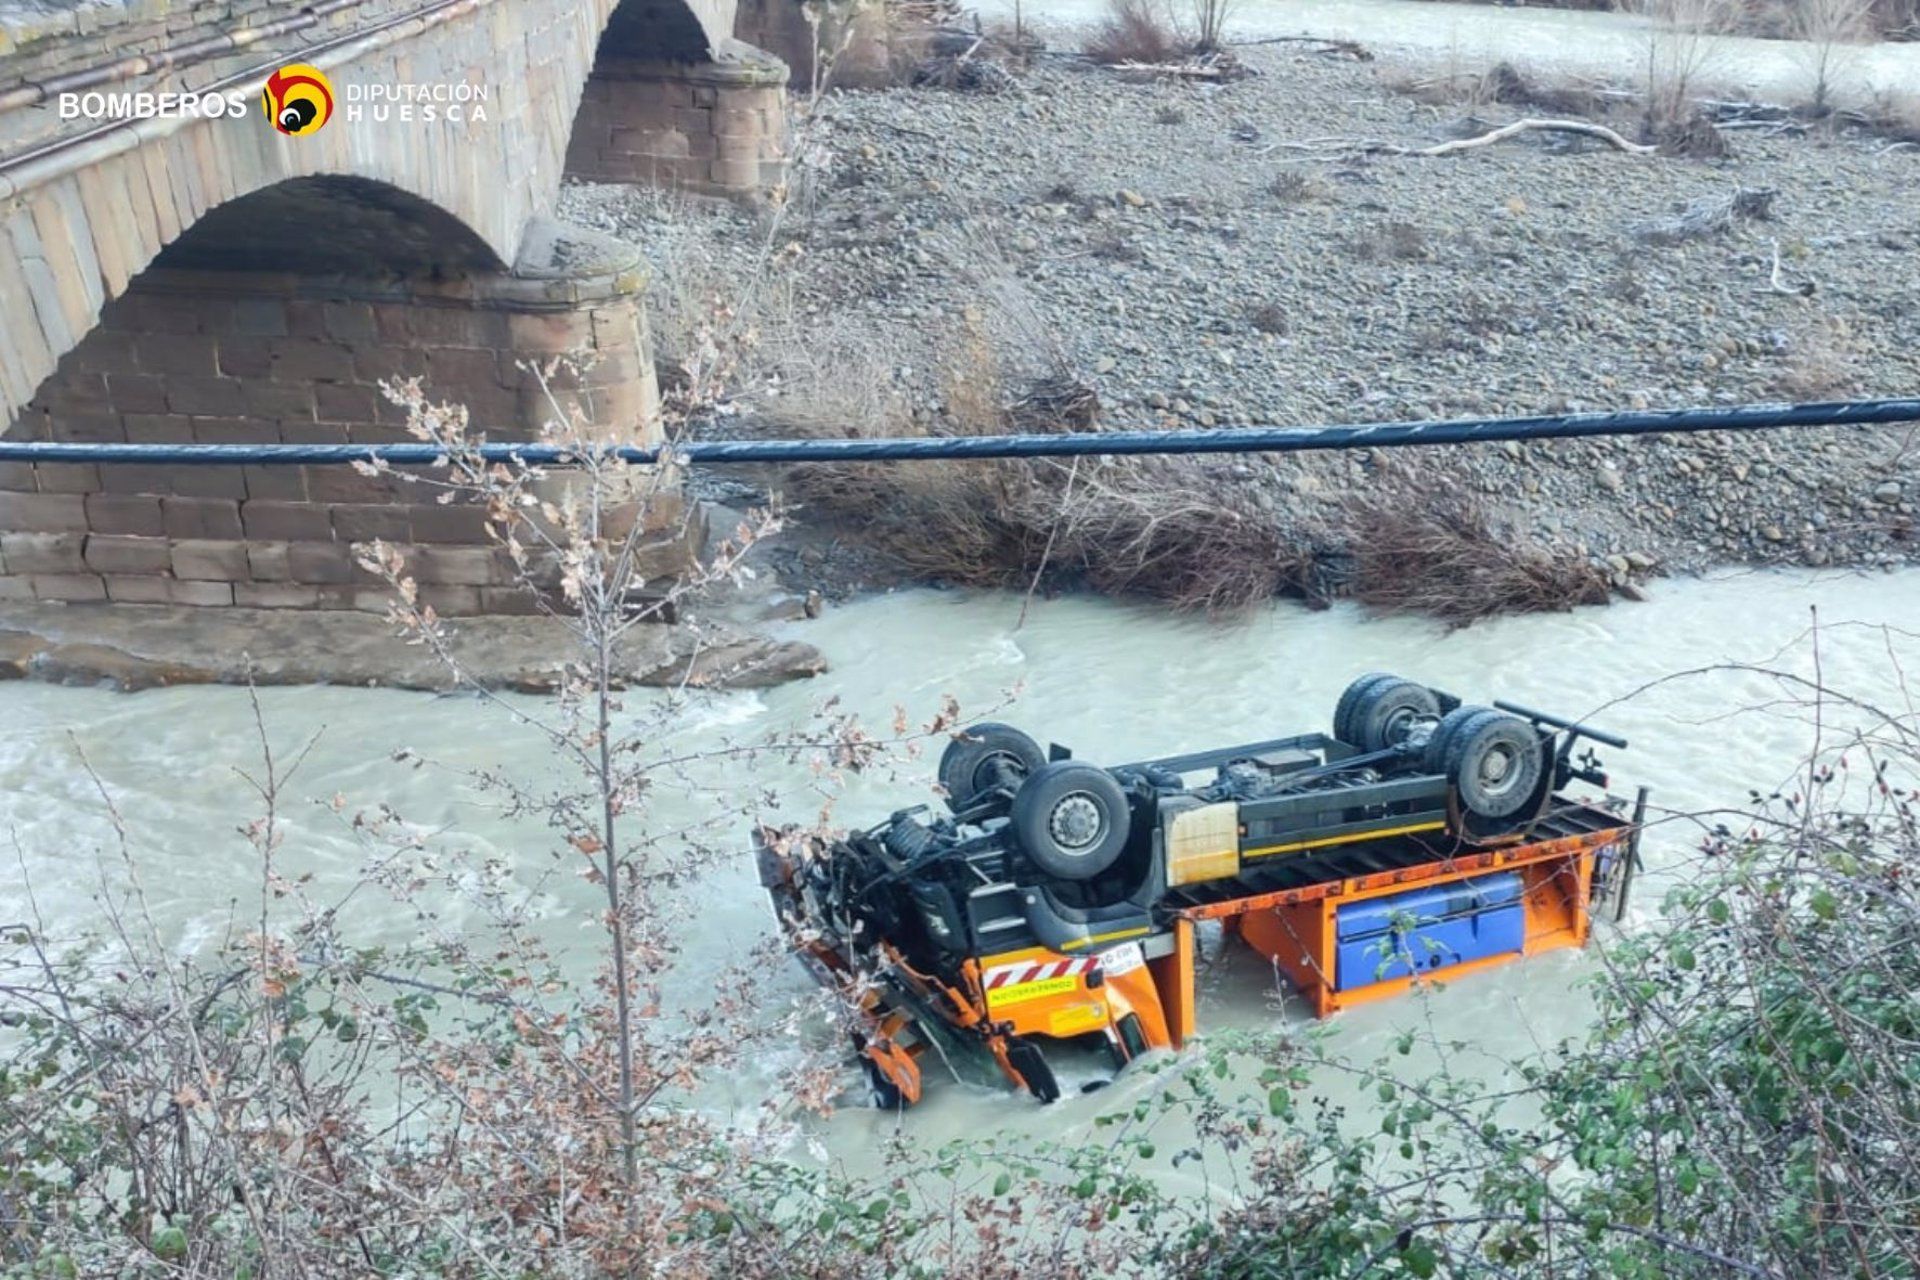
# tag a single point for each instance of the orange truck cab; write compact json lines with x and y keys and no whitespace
{"x":1058,"y":900}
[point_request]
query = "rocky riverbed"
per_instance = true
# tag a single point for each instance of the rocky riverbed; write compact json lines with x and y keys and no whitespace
{"x":1206,"y":254}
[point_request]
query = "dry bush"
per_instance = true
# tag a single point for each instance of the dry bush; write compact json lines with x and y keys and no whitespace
{"x":1501,"y":83}
{"x":1682,"y":46}
{"x":1895,"y":114}
{"x":1820,"y":363}
{"x":1134,"y":31}
{"x":1415,"y":551}
{"x":1291,"y":186}
{"x":1389,"y":242}
{"x":1826,"y":30}
{"x":1175,"y":530}
{"x":1269,"y":317}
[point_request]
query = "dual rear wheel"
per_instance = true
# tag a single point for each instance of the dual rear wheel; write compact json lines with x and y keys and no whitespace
{"x":1494,"y":760}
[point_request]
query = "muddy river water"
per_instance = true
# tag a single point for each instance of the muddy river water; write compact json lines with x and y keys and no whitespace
{"x":1113,"y":681}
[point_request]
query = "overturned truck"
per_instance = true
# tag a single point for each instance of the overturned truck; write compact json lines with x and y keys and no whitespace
{"x":1058,"y":899}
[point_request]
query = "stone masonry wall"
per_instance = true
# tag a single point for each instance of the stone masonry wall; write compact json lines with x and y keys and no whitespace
{"x":229,"y":357}
{"x":717,"y":128}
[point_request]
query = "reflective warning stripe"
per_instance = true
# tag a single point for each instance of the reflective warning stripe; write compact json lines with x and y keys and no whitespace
{"x":1010,"y":975}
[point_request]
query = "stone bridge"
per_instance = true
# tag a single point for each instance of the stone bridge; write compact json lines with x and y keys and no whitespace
{"x":174,"y":267}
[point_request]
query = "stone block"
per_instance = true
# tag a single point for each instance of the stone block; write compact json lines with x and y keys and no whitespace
{"x":187,"y":354}
{"x":276,"y":595}
{"x":245,"y":357}
{"x":460,"y":566}
{"x":452,"y":602}
{"x":234,"y":431}
{"x":452,"y":522}
{"x":158,"y":428}
{"x":15,"y":587}
{"x":87,"y":428}
{"x":276,"y":484}
{"x":115,"y":553}
{"x":124,"y":513}
{"x":207,"y":560}
{"x":137,"y":392}
{"x":139,"y":589}
{"x":43,"y":512}
{"x":363,"y":522}
{"x":267,"y":562}
{"x":208,"y":396}
{"x":43,"y":552}
{"x":319,"y":562}
{"x":311,"y":360}
{"x":286,"y":521}
{"x":345,"y":402}
{"x":19,"y":477}
{"x":344,"y":484}
{"x":279,"y":402}
{"x":71,"y":587}
{"x":201,"y":518}
{"x":69,"y":477}
{"x":200,"y":594}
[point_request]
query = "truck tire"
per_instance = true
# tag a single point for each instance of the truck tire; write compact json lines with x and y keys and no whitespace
{"x":1343,"y":710}
{"x":1435,"y":760}
{"x":1494,"y":761}
{"x":1071,"y":819}
{"x":981,"y":756}
{"x":1385,"y":710}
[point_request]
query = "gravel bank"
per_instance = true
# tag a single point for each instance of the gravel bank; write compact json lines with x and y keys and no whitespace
{"x":1163,"y":242}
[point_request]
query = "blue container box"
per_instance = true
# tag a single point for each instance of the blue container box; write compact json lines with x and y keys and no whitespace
{"x":1423,"y":930}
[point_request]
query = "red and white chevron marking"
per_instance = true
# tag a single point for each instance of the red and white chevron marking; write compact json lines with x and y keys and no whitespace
{"x":1012,"y":975}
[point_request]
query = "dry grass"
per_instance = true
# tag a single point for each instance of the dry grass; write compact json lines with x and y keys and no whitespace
{"x":1291,"y":186}
{"x":1415,"y":551}
{"x":1820,"y":365}
{"x":1175,"y":530}
{"x":1134,"y":31}
{"x":1501,"y":83}
{"x":1389,"y":242}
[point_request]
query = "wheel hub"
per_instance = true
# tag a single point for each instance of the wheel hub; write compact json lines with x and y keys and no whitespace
{"x":1497,"y":769}
{"x":1075,"y":821}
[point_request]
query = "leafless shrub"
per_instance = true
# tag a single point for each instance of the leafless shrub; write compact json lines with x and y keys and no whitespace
{"x":1419,"y":552}
{"x":1210,"y":24}
{"x":1895,"y":115}
{"x":1502,"y":83}
{"x":1820,"y":363}
{"x":1682,"y":46}
{"x":1709,"y":216}
{"x":1133,"y":31}
{"x":1291,"y":186}
{"x":1827,"y":29}
{"x":1396,"y":241}
{"x":1269,"y":317}
{"x":1170,"y":114}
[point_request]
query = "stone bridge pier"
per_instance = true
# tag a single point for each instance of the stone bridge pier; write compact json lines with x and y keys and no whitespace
{"x":255,"y":327}
{"x":212,"y":277}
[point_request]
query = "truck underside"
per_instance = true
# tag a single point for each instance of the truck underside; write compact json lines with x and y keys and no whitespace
{"x":1059,"y":901}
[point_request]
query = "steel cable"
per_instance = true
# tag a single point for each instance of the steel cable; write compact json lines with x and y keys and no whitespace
{"x":1260,"y":439}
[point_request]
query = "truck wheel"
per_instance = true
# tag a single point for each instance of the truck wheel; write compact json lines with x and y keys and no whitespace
{"x":1494,"y":761}
{"x":1071,"y":819}
{"x":1385,"y":711}
{"x":982,"y":756}
{"x":1436,"y":757}
{"x":1343,"y":710}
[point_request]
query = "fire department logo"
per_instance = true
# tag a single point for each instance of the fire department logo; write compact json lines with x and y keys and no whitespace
{"x":298,"y":99}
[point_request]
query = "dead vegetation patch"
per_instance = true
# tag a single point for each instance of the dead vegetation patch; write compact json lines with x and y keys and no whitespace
{"x":1133,"y":31}
{"x":1197,"y":534}
{"x":1417,"y":551}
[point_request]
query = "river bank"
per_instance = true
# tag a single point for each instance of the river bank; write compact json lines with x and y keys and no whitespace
{"x":1196,"y":254}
